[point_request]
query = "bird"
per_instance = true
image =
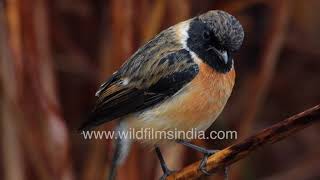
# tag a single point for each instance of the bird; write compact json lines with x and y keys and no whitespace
{"x":179,"y":80}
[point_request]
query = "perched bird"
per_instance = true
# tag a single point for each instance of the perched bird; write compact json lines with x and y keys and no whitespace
{"x":181,"y":79}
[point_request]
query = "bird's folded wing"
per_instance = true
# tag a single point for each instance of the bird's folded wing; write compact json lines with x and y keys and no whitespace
{"x":129,"y":92}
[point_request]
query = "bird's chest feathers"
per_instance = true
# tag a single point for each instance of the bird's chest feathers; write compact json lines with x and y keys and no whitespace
{"x":197,"y":105}
{"x":205,"y":97}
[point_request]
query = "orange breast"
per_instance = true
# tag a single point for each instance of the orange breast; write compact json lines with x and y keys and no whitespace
{"x":202,"y":100}
{"x":197,"y":105}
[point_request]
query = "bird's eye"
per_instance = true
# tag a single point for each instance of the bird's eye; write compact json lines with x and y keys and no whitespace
{"x":206,"y":35}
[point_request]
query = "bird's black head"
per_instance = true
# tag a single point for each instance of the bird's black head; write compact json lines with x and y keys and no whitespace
{"x":214,"y":37}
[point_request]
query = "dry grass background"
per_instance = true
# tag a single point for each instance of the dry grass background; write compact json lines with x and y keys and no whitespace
{"x":55,"y":53}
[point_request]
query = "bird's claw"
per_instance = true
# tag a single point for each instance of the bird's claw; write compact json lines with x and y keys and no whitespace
{"x":206,"y":153}
{"x":203,"y":164}
{"x":166,"y":174}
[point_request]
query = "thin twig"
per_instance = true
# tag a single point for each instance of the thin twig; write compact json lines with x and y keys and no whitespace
{"x":155,"y":20}
{"x":11,"y":147}
{"x":240,"y":150}
{"x":114,"y":50}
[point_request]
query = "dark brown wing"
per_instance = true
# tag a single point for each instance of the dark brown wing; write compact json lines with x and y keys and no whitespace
{"x":129,"y":93}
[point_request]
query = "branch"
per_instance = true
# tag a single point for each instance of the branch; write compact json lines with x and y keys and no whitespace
{"x":242,"y":149}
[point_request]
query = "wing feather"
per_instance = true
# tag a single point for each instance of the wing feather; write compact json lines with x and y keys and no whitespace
{"x":145,"y":89}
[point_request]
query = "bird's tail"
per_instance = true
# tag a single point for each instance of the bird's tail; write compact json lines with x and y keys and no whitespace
{"x":121,"y":148}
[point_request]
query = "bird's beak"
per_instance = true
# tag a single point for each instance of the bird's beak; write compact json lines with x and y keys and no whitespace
{"x":224,"y":56}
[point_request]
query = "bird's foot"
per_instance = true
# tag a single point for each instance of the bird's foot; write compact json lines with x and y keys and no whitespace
{"x":203,"y":163}
{"x":166,"y":173}
{"x":164,"y":167}
{"x":206,"y":153}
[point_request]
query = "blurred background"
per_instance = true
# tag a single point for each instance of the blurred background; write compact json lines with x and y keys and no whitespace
{"x":55,"y":53}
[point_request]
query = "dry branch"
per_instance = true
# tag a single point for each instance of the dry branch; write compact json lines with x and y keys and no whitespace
{"x":242,"y":149}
